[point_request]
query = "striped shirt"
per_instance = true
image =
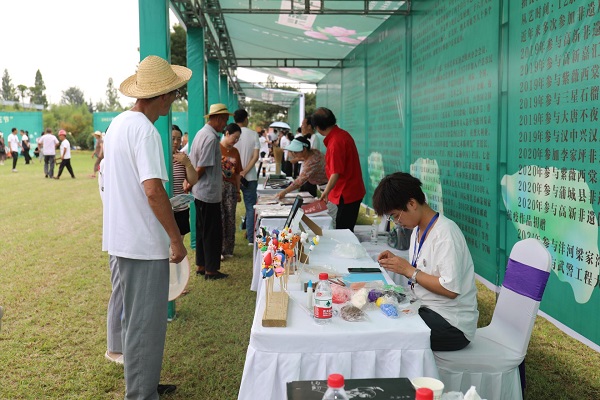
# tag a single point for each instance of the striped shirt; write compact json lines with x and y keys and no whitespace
{"x":178,"y":178}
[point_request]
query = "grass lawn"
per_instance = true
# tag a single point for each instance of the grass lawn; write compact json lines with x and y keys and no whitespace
{"x":55,"y":285}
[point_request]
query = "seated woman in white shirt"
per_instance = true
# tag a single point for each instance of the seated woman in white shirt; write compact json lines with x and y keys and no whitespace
{"x":440,"y":266}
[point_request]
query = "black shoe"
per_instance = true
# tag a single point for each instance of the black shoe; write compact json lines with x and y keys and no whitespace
{"x":218,"y":275}
{"x":166,"y":389}
{"x":202,"y":272}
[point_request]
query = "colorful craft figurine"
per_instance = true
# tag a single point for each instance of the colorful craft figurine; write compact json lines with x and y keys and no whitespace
{"x":315,"y":241}
{"x":278,"y":254}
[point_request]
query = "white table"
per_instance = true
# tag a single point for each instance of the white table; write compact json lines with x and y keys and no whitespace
{"x":379,"y":348}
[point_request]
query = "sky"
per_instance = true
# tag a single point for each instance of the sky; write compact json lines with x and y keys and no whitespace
{"x":73,"y":43}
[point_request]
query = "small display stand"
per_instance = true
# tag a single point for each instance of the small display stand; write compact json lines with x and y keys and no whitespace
{"x":282,"y":251}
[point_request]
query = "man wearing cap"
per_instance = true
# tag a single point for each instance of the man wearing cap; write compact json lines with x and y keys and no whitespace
{"x":249,"y":147}
{"x":345,"y":187}
{"x":65,"y":154}
{"x":49,"y":144}
{"x":313,"y":167}
{"x":205,"y":155}
{"x":138,"y":221}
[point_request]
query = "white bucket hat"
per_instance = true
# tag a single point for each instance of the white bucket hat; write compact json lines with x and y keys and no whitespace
{"x":178,"y":278}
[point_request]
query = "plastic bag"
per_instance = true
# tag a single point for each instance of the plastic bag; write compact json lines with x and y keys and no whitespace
{"x":360,"y":298}
{"x":350,"y":250}
{"x":352,"y":314}
{"x":340,"y":294}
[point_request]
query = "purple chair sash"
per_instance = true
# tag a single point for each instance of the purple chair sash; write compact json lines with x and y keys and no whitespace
{"x":525,"y":280}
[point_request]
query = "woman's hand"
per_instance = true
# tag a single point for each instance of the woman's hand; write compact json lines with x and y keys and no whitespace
{"x":393,"y":263}
{"x":182,"y":158}
{"x":239,"y":197}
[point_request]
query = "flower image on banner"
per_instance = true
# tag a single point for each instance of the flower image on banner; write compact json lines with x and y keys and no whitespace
{"x":539,"y":205}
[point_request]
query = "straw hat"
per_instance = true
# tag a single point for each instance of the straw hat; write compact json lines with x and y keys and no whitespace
{"x":97,"y":133}
{"x":155,"y":76}
{"x":218,"y":108}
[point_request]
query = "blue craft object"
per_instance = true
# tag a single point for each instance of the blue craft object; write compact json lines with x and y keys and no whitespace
{"x":389,"y":310}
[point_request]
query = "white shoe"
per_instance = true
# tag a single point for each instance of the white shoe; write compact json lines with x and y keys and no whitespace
{"x":14,"y":170}
{"x":117,"y":360}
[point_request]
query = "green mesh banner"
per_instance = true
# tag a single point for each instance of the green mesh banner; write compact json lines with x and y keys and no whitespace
{"x":551,"y":189}
{"x":506,"y":146}
{"x":386,"y":85}
{"x":455,"y":118}
{"x":27,"y":121}
{"x":352,"y":117}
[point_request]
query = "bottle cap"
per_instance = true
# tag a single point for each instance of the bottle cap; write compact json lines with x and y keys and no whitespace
{"x":323,"y":276}
{"x":336,"y":381}
{"x":424,"y":394}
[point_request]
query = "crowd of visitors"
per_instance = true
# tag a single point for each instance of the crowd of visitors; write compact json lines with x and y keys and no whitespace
{"x":142,"y":233}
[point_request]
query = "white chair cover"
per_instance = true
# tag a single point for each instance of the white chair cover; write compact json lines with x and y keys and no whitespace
{"x":491,"y":361}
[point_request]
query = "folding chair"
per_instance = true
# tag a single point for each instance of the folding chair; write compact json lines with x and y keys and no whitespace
{"x":494,"y":361}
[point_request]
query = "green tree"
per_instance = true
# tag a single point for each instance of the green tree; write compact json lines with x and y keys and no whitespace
{"x":9,"y":93}
{"x":310,"y":103}
{"x":23,"y":89}
{"x":179,"y":51}
{"x":73,"y":96}
{"x":112,"y":97}
{"x":75,"y":119}
{"x":100,"y":107}
{"x":36,"y":92}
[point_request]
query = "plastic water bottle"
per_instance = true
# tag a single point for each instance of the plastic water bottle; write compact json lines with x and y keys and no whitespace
{"x":374,"y":232}
{"x":335,"y":388}
{"x":322,"y":311}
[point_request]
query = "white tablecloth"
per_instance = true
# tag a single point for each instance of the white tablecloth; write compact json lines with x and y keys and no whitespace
{"x":378,"y":348}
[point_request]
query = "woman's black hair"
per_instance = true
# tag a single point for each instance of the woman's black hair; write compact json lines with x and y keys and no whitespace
{"x":395,"y":191}
{"x":176,"y":128}
{"x":232,"y":128}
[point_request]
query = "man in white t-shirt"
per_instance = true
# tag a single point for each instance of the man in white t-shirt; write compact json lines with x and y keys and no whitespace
{"x":264,"y":144}
{"x":138,"y":221}
{"x":49,"y":143}
{"x":65,"y":154}
{"x":440,"y":267}
{"x":14,"y":145}
{"x":249,"y":147}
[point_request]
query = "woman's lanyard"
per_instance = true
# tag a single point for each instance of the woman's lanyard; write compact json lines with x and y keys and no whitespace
{"x":417,"y":252}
